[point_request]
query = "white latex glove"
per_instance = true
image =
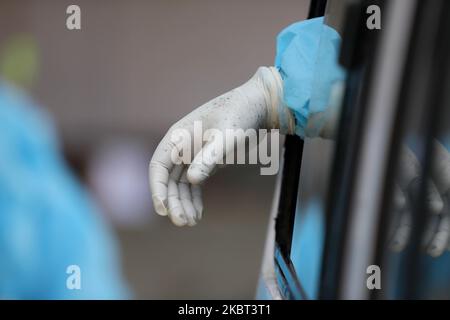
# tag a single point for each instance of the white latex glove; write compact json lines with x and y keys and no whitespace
{"x":257,"y":104}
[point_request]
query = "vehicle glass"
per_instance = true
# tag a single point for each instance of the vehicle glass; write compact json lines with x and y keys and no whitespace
{"x":309,"y":223}
{"x":416,"y":256}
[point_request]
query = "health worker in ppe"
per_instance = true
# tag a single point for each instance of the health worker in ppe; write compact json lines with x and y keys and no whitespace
{"x":53,"y":242}
{"x":300,"y":95}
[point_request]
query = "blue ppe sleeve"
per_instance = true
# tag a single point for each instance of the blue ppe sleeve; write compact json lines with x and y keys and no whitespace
{"x":307,"y":245}
{"x":307,"y":59}
{"x":47,"y":220}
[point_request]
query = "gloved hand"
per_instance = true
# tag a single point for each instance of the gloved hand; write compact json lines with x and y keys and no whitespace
{"x":440,"y":227}
{"x":437,"y":234}
{"x":175,"y":185}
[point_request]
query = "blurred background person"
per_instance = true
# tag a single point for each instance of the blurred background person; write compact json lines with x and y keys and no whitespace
{"x":114,"y":87}
{"x":48,"y":222}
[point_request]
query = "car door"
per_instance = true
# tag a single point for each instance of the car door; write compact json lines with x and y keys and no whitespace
{"x":336,"y":205}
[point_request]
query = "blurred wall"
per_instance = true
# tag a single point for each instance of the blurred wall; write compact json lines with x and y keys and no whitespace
{"x":139,"y":65}
{"x":134,"y":69}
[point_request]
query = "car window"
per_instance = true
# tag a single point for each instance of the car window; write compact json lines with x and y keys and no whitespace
{"x":317,"y":173}
{"x":309,"y":223}
{"x":414,"y":245}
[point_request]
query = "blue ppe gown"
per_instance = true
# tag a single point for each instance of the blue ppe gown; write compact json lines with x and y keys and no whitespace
{"x":47,"y":220}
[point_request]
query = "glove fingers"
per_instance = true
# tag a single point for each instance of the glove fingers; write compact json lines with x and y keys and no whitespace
{"x":441,"y":237}
{"x":440,"y":170}
{"x":175,"y":208}
{"x":186,"y":200}
{"x":205,"y":161}
{"x":399,"y":198}
{"x":196,"y":192}
{"x":402,"y":233}
{"x":159,"y":177}
{"x":433,"y":199}
{"x":411,"y":168}
{"x":159,"y":168}
{"x":164,"y":158}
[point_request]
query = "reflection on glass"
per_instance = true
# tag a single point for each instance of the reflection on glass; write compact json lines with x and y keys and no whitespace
{"x":420,"y":211}
{"x":324,"y":108}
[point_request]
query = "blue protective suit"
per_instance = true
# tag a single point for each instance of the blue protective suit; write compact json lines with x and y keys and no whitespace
{"x":47,"y":220}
